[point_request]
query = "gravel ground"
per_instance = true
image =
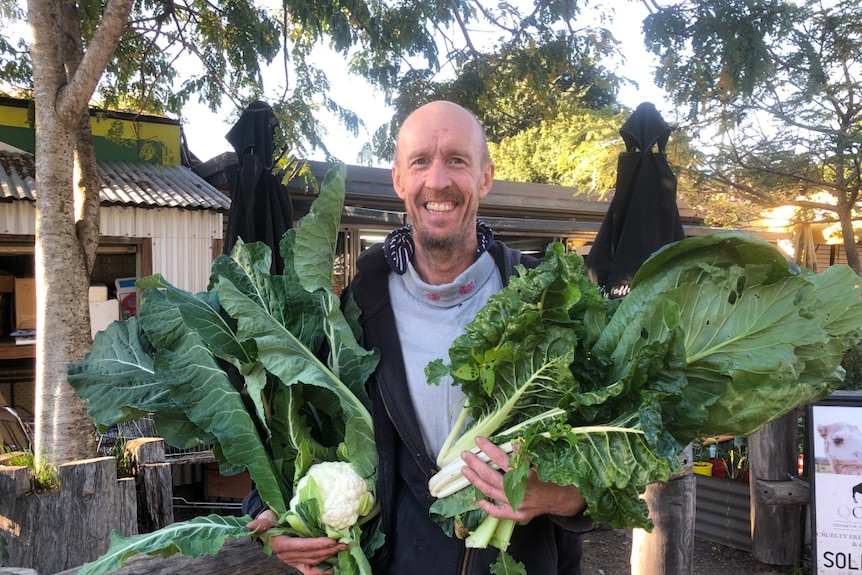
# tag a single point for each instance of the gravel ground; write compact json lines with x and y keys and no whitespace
{"x":608,"y":552}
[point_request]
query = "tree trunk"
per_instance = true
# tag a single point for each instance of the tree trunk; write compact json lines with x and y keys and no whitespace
{"x":850,"y":248}
{"x":64,"y":81}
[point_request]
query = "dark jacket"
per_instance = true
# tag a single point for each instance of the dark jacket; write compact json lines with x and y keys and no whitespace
{"x":415,"y":545}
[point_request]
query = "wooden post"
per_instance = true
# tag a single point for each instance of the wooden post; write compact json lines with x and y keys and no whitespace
{"x":776,"y":530}
{"x":91,"y":494}
{"x":146,"y":450}
{"x":14,"y":482}
{"x":791,"y":491}
{"x":669,"y":547}
{"x":70,"y":526}
{"x":153,"y":483}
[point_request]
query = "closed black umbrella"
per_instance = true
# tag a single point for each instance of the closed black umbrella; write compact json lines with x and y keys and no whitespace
{"x":642,"y":218}
{"x":643,"y":215}
{"x":261,"y":210}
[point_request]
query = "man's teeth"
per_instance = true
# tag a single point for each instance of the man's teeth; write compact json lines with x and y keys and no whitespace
{"x":439,"y":206}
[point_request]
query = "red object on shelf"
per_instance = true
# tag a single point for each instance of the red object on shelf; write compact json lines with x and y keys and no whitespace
{"x":718,"y":469}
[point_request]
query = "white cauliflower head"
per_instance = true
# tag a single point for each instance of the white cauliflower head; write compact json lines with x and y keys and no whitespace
{"x":344,"y":495}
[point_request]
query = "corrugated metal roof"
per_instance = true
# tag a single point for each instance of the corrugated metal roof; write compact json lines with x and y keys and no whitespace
{"x":123,"y":183}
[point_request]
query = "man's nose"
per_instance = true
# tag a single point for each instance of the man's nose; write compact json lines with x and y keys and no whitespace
{"x":438,"y":176}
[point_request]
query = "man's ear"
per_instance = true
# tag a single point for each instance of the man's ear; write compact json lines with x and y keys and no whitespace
{"x":487,"y":180}
{"x":396,"y":181}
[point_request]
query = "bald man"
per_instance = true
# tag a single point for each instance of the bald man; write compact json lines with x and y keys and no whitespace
{"x":417,"y":291}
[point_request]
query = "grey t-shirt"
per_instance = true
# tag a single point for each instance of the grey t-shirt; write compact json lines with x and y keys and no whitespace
{"x":428,"y":319}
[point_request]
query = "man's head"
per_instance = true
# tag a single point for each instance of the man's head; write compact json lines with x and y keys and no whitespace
{"x":442,"y":169}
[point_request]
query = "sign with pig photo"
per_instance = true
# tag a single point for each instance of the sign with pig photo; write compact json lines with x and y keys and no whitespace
{"x":835,"y":441}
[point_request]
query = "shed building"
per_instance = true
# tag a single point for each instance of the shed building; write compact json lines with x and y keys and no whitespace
{"x":156,"y":216}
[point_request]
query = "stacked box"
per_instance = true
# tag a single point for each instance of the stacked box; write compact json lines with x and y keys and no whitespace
{"x":25,"y":304}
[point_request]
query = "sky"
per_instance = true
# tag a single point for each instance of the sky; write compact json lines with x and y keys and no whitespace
{"x":205,"y":130}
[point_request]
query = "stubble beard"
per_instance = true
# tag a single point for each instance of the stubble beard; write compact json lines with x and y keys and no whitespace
{"x":446,"y":247}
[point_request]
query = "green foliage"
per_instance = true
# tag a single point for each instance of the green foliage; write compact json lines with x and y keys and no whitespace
{"x":413,"y":51}
{"x":852,"y":364}
{"x":505,"y":565}
{"x":230,"y":42}
{"x":236,"y":367}
{"x":521,"y":81}
{"x":526,"y":366}
{"x":736,"y":294}
{"x":45,"y":476}
{"x":229,"y":46}
{"x":15,"y":67}
{"x":578,"y":147}
{"x":526,"y":82}
{"x":714,"y":51}
{"x":125,"y":462}
{"x":778,"y":83}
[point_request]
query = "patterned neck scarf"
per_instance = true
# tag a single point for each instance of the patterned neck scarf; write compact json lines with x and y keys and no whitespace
{"x":399,"y":246}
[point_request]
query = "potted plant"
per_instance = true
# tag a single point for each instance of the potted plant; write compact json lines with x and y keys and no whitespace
{"x":736,"y":463}
{"x":713,"y":449}
{"x":700,"y":465}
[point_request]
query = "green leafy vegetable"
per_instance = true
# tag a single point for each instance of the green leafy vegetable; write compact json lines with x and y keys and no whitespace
{"x":237,"y":367}
{"x":194,"y":538}
{"x":761,"y":336}
{"x":718,"y":335}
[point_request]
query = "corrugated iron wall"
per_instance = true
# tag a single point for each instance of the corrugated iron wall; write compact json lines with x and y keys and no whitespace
{"x":18,"y":218}
{"x":182,"y":240}
{"x":723,"y":512}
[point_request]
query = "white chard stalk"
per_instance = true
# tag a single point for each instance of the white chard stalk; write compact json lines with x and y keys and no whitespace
{"x":449,"y":480}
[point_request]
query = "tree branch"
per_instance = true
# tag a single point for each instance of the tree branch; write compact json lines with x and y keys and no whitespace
{"x":74,"y":98}
{"x":473,"y":52}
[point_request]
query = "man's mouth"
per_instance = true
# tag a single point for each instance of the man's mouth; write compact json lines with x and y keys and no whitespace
{"x":440,"y":206}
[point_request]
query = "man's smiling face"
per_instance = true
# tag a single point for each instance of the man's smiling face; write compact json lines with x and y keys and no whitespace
{"x":441,"y":172}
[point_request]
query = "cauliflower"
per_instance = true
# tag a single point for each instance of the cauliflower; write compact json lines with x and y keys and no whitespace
{"x":343,"y":496}
{"x":328,"y":502}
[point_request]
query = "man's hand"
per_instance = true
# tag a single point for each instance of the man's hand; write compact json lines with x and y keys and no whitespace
{"x":541,"y":497}
{"x":301,"y":553}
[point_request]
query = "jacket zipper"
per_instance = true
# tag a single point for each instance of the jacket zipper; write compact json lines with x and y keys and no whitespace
{"x":467,"y":550}
{"x":466,"y":561}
